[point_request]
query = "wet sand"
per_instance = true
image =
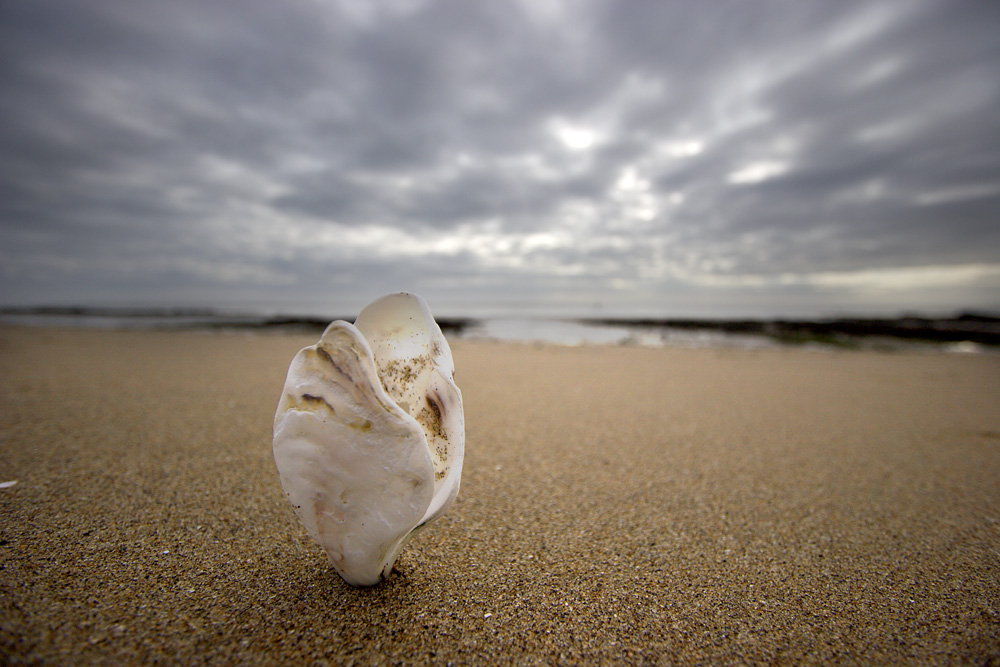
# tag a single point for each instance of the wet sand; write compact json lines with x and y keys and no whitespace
{"x":619,"y":505}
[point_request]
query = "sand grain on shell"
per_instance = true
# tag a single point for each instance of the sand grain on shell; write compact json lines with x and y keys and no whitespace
{"x":618,"y":505}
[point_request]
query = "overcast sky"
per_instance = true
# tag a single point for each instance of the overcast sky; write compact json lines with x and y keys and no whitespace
{"x":611,"y":158}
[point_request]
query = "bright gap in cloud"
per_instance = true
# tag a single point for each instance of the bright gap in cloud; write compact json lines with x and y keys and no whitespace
{"x":921,"y":277}
{"x":757,"y":172}
{"x":874,"y":280}
{"x":686,"y":148}
{"x":573,"y":137}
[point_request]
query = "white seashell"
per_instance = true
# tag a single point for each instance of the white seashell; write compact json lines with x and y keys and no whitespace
{"x":369,"y":435}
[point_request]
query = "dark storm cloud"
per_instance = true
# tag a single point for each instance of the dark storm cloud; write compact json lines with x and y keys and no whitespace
{"x":649,"y":154}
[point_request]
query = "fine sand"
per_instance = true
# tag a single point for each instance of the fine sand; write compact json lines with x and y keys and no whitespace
{"x":619,"y":505}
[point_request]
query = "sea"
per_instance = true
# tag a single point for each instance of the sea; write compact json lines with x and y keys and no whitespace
{"x":967,"y":333}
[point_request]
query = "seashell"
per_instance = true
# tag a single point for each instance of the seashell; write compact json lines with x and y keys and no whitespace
{"x":369,"y":435}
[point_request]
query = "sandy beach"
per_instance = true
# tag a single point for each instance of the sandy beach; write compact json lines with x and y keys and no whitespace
{"x":619,"y":505}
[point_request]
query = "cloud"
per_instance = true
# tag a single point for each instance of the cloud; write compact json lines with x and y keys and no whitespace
{"x":653,"y":157}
